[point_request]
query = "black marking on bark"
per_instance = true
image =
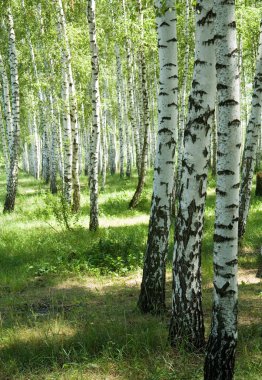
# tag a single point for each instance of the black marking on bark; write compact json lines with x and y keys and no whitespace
{"x":210,"y":15}
{"x":190,"y":169}
{"x":232,"y":263}
{"x":234,"y":122}
{"x":157,"y":169}
{"x":200,"y":92}
{"x":164,"y":130}
{"x":235,"y":51}
{"x":221,"y":239}
{"x":172,"y":104}
{"x":162,"y":46}
{"x":173,"y":77}
{"x":224,"y":226}
{"x":220,"y":66}
{"x":169,"y":65}
{"x":193,"y":103}
{"x":227,"y":275}
{"x":232,"y":24}
{"x":205,"y":152}
{"x":222,"y":291}
{"x":225,"y":172}
{"x":220,"y":154}
{"x":188,"y":133}
{"x":164,"y":23}
{"x":172,"y":39}
{"x":228,"y":102}
{"x":238,"y":145}
{"x":165,"y":118}
{"x":209,"y":42}
{"x":218,"y":267}
{"x":236,"y":186}
{"x":194,"y":83}
{"x":218,"y":37}
{"x":221,"y":86}
{"x":199,"y":62}
{"x":201,"y":176}
{"x":221,"y":193}
{"x":232,"y":206}
{"x":163,"y":94}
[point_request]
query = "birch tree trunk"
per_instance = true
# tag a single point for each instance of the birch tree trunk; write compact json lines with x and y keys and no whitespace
{"x":251,"y":144}
{"x":4,"y":143}
{"x":95,"y":134}
{"x":53,"y":155}
{"x":220,"y":356}
{"x":6,"y":104}
{"x":152,"y":294}
{"x":120,"y":110}
{"x":72,"y":108}
{"x":182,"y":115}
{"x":14,"y":153}
{"x":142,"y":171}
{"x":187,"y":315}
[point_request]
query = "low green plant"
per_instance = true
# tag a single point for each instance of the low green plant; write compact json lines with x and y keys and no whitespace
{"x":62,"y":211}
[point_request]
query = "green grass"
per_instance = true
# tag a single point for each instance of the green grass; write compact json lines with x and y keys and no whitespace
{"x":68,"y":298}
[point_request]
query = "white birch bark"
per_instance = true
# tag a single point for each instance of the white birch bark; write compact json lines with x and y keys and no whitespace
{"x":187,"y":315}
{"x":152,"y":295}
{"x":251,"y":144}
{"x":6,"y":103}
{"x":14,"y":153}
{"x":72,"y":107}
{"x":95,"y":134}
{"x":120,"y":110}
{"x":53,"y":155}
{"x":25,"y":158}
{"x":145,"y":117}
{"x":182,"y":114}
{"x":220,"y":356}
{"x":4,"y":143}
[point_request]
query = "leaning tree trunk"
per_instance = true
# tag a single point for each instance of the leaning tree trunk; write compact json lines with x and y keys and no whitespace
{"x":152,"y":294}
{"x":142,"y":171}
{"x":252,"y":137}
{"x":220,"y":356}
{"x":95,"y":134}
{"x":14,"y":153}
{"x":187,"y":315}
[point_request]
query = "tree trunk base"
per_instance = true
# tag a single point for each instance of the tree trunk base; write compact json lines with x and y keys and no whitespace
{"x":151,"y":302}
{"x":183,"y":336}
{"x":220,"y":358}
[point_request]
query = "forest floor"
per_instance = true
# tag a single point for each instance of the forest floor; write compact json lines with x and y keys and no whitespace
{"x":68,"y":298}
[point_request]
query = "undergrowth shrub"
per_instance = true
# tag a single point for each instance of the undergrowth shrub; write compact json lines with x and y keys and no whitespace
{"x":109,"y":252}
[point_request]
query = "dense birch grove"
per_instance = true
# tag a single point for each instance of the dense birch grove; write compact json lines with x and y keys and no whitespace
{"x":93,"y":89}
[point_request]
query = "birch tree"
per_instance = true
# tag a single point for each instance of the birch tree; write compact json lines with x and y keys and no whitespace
{"x":95,"y":134}
{"x":152,"y":295}
{"x":72,"y":107}
{"x":145,"y":119}
{"x":220,"y":357}
{"x":251,"y":144}
{"x":12,"y":178}
{"x":187,"y":315}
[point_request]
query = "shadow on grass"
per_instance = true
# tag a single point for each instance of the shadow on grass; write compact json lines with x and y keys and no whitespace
{"x":84,"y":325}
